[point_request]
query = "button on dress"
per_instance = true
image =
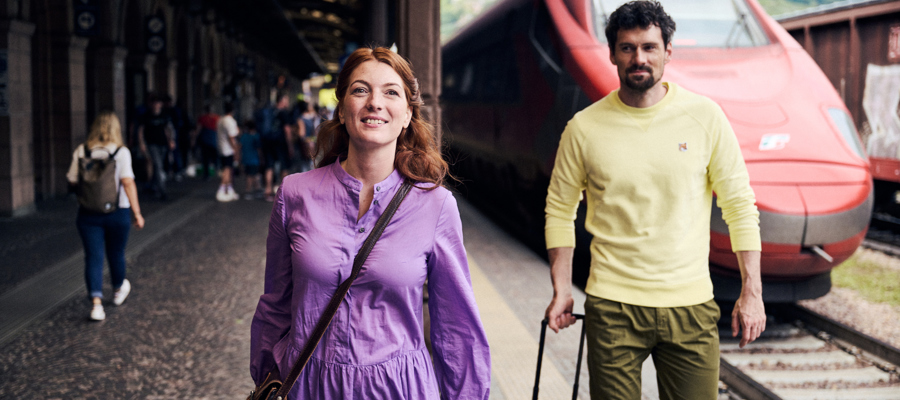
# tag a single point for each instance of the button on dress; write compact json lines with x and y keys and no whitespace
{"x":374,"y":347}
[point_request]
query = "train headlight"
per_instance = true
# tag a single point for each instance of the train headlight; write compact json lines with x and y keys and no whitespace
{"x":844,"y":124}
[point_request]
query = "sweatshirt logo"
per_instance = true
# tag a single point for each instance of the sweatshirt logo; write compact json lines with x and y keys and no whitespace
{"x":682,"y":146}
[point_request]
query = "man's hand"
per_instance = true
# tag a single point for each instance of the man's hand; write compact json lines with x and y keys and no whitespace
{"x":559,"y":312}
{"x":749,"y":315}
{"x":749,"y":312}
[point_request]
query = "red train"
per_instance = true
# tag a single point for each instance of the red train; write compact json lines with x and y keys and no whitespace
{"x":514,"y":77}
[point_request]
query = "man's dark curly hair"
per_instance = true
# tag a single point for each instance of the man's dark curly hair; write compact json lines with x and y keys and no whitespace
{"x":639,"y":14}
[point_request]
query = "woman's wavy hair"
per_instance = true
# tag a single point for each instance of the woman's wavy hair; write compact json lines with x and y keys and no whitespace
{"x":418,"y":156}
{"x":105,"y":129}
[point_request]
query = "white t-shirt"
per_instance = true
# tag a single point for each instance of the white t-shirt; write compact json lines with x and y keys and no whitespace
{"x":226,"y":127}
{"x":123,"y":166}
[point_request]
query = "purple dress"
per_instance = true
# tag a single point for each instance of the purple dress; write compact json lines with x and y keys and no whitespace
{"x":374,"y":347}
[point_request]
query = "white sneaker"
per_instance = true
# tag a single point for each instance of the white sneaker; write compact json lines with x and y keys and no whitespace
{"x":235,"y":196}
{"x":222,"y":196}
{"x":97,"y":313}
{"x":122,"y":293}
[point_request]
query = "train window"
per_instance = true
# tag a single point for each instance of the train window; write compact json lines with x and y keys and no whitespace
{"x":844,"y":123}
{"x":699,"y":23}
{"x":490,"y":75}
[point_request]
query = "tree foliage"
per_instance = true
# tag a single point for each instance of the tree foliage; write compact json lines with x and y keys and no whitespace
{"x":456,"y":14}
{"x":777,"y":7}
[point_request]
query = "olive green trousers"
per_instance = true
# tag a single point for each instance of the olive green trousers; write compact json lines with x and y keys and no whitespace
{"x":683,"y":341}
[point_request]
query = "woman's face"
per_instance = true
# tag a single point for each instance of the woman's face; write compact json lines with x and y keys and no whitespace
{"x":375,"y":109}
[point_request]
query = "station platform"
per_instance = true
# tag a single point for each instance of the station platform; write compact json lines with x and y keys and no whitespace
{"x":197,"y":273}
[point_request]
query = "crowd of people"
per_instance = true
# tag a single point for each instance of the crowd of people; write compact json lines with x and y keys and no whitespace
{"x":277,"y":140}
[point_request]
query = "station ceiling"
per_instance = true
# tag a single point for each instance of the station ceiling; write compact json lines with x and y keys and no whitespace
{"x":305,"y":36}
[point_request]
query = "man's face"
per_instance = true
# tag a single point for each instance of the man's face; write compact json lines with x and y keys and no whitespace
{"x":640,"y":57}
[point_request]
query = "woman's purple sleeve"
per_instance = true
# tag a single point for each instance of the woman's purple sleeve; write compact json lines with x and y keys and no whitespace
{"x":273,"y":313}
{"x":462,"y":358}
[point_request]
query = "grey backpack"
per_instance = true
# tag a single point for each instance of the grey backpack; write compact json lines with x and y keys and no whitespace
{"x":98,"y":188}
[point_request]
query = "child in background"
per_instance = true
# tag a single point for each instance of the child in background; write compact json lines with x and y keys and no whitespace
{"x":250,"y":154}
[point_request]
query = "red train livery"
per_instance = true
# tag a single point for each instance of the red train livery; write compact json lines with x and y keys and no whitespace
{"x":514,"y":77}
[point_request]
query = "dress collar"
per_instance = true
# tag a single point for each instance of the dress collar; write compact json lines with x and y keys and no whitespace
{"x":354,"y":184}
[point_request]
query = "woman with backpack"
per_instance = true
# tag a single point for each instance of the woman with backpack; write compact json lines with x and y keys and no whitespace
{"x":104,"y":224}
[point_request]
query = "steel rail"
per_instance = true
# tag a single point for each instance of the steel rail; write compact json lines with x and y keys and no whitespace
{"x":841,"y":331}
{"x":743,"y":384}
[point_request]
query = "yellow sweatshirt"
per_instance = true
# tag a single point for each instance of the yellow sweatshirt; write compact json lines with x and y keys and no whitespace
{"x":649,"y":174}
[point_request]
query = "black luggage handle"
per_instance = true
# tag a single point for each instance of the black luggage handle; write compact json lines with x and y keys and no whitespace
{"x":537,"y":377}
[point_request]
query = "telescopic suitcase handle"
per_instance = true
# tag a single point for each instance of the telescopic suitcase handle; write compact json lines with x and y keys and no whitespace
{"x":537,"y":377}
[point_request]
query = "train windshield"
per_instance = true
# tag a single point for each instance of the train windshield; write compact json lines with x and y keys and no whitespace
{"x":699,"y":23}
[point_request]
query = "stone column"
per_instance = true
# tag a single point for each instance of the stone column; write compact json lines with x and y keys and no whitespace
{"x":419,"y":40}
{"x":166,"y":78}
{"x":106,"y":80}
{"x":216,"y":83}
{"x":69,"y":111}
{"x":377,"y":28}
{"x":139,"y":70}
{"x":184,"y":94}
{"x":197,"y":91}
{"x":143,"y":63}
{"x":16,"y":142}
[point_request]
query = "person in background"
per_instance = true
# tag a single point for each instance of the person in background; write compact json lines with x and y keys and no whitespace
{"x":227,"y":130}
{"x":325,"y":114}
{"x":649,"y":157}
{"x":276,"y":134}
{"x":310,"y":121}
{"x":375,"y":347}
{"x":107,"y":233}
{"x":250,"y":157}
{"x":207,"y":140}
{"x":156,"y":137}
{"x":182,"y":128}
{"x":301,"y":155}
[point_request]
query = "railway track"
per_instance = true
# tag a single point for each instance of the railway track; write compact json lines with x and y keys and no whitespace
{"x":884,"y":234}
{"x":808,"y":356}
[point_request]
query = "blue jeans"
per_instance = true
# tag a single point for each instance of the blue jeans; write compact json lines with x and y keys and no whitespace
{"x":158,"y":155}
{"x":104,"y":233}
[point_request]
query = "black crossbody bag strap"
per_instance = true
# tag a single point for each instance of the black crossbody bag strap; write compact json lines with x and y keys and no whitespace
{"x":342,"y":290}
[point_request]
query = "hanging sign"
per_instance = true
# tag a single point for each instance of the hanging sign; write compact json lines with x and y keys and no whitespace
{"x":86,"y":12}
{"x":156,"y":34}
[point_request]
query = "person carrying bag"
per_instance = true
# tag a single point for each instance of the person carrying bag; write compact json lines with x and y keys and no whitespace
{"x":102,"y":177}
{"x":322,"y":231}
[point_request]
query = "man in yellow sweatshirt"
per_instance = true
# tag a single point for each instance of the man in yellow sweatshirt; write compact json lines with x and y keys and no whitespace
{"x":649,"y":156}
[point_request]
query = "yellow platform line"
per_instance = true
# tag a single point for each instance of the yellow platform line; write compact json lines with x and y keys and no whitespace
{"x":513,"y":348}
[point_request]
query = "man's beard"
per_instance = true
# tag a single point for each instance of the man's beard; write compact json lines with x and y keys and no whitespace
{"x":640,"y":86}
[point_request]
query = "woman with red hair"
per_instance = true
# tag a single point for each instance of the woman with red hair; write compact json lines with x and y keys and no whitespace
{"x":374,"y":347}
